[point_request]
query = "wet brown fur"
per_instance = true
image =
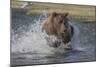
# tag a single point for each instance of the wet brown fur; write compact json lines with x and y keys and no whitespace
{"x":57,"y":24}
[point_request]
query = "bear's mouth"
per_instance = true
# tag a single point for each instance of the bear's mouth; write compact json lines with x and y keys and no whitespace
{"x":66,"y":38}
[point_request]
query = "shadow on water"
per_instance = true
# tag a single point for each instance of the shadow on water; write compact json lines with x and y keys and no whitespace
{"x":25,"y":52}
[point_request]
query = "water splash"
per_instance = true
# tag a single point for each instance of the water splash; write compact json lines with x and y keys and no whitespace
{"x":33,"y":40}
{"x":30,"y":41}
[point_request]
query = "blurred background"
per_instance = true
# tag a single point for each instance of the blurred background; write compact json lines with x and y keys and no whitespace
{"x":76,"y":12}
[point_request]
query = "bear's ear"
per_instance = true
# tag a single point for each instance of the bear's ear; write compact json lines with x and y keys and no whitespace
{"x":66,"y":14}
{"x":54,"y":14}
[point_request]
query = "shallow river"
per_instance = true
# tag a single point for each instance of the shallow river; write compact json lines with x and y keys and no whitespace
{"x":28,"y":48}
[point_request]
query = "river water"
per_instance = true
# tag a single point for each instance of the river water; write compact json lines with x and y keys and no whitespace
{"x":29,"y":47}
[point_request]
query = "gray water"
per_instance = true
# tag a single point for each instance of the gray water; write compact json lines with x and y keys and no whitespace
{"x":28,"y":44}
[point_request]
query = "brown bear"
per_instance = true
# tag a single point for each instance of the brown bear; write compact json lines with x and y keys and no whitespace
{"x":56,"y":24}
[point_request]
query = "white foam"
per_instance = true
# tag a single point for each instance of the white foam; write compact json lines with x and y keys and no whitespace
{"x":34,"y":40}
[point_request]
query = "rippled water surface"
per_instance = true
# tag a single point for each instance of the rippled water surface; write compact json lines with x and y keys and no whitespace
{"x":28,"y":44}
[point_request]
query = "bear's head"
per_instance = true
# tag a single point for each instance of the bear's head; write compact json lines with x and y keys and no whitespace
{"x":57,"y":24}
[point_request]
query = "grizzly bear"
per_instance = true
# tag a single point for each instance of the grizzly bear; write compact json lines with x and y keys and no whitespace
{"x":56,"y":24}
